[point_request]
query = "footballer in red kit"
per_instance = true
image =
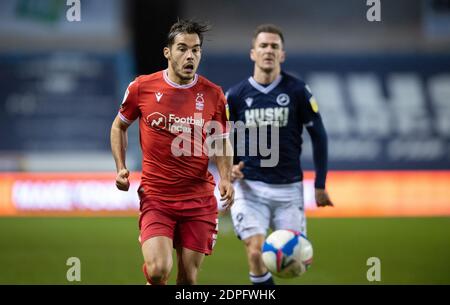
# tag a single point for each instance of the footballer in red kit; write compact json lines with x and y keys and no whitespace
{"x":166,"y":109}
{"x":179,"y":113}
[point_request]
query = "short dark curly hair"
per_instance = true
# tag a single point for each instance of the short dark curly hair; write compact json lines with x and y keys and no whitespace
{"x":189,"y":27}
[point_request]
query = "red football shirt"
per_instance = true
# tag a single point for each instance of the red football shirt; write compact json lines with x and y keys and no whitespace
{"x":172,"y":121}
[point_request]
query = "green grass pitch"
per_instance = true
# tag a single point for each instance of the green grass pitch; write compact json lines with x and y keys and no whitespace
{"x":411,"y":250}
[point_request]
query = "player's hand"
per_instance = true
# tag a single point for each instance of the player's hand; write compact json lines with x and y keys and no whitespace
{"x":236,"y":171}
{"x":122,"y":181}
{"x":322,"y":198}
{"x":226,"y":193}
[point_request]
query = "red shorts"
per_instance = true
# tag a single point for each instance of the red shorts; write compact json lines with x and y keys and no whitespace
{"x":191,"y":223}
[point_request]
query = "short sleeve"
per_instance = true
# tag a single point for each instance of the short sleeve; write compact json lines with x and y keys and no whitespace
{"x":309,"y":107}
{"x":129,"y":110}
{"x":221,"y":117}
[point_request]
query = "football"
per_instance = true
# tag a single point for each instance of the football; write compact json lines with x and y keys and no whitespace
{"x":287,"y":253}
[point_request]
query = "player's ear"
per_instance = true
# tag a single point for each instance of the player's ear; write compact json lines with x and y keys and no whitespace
{"x":166,"y":52}
{"x":252,"y":54}
{"x":283,"y":57}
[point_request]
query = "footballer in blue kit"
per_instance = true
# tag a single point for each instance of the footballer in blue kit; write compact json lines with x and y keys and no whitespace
{"x":272,"y":101}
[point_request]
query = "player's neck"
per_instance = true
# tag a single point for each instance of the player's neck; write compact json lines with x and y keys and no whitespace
{"x":265,"y":78}
{"x":173,"y":77}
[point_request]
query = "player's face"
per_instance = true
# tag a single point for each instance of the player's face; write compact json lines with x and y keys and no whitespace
{"x":184,"y":57}
{"x":267,"y":52}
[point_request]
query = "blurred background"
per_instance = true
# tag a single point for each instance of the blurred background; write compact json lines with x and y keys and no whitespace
{"x":383,"y":89}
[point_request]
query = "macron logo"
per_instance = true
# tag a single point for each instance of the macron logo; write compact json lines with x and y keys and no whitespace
{"x":249,"y":101}
{"x":158,"y":96}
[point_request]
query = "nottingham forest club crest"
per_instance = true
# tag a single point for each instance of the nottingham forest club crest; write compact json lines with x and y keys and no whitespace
{"x":199,"y":102}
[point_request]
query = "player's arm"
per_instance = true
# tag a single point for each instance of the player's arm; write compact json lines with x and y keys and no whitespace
{"x":224,"y":152}
{"x":314,"y":125}
{"x":224,"y":163}
{"x":129,"y":111}
{"x":319,"y":141}
{"x":236,"y":172}
{"x":119,"y":142}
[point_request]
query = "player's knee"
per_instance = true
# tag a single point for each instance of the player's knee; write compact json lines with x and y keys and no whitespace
{"x":158,"y":270}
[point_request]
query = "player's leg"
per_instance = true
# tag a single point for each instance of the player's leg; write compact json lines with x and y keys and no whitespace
{"x":290,"y":213}
{"x":259,"y":275}
{"x":157,"y":252}
{"x":251,"y":217}
{"x":195,"y":237}
{"x":189,"y":262}
{"x":157,"y":226}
